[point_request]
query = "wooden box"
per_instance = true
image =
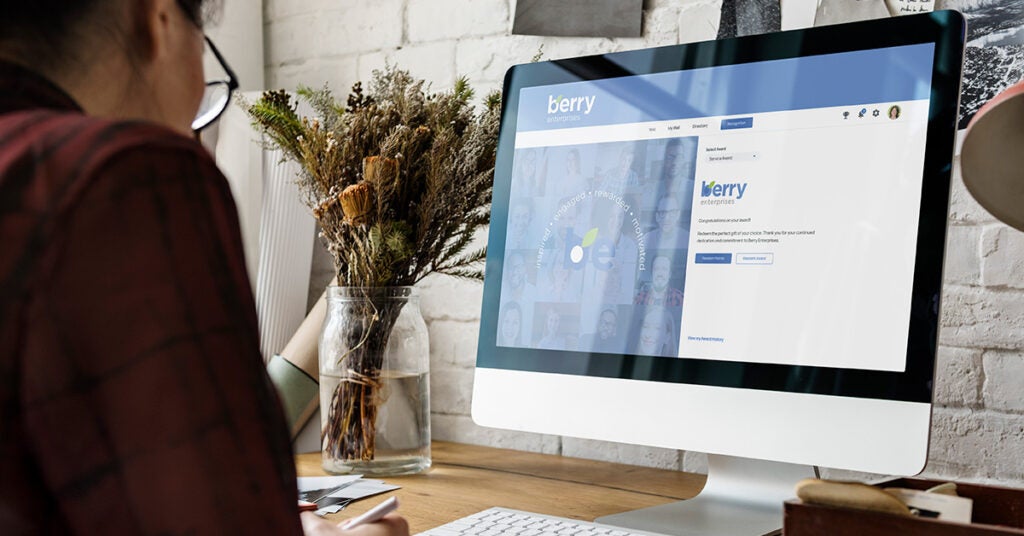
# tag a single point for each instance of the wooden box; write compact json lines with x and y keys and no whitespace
{"x":997,"y":512}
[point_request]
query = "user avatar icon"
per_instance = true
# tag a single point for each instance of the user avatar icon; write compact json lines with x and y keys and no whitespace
{"x":894,"y":112}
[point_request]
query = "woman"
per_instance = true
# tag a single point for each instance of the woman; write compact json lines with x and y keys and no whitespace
{"x":656,"y":333}
{"x":132,"y":394}
{"x":552,"y":339}
{"x":572,"y":182}
{"x":511,"y":325}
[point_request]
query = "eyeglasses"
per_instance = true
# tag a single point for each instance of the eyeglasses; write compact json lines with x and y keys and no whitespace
{"x":217,"y":94}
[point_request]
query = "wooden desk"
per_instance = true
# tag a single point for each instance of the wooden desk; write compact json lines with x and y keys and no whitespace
{"x":465,"y":479}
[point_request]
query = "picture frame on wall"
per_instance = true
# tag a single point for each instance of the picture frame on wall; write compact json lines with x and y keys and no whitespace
{"x":579,"y":18}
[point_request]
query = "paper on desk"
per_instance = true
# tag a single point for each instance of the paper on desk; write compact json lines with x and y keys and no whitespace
{"x":355,"y":487}
{"x":333,"y":509}
{"x":310,"y":483}
{"x":362,"y":489}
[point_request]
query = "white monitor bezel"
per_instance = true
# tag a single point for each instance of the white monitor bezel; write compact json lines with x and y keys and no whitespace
{"x":820,"y":430}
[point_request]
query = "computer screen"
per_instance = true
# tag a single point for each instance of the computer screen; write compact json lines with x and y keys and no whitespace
{"x":733,"y":246}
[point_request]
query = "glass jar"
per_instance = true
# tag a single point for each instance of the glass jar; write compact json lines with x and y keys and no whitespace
{"x":374,"y":382}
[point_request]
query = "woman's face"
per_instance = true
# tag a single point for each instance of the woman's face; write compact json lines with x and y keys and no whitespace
{"x":510,"y":326}
{"x":520,"y":219}
{"x":517,"y":274}
{"x":553,"y":321}
{"x":652,"y":333}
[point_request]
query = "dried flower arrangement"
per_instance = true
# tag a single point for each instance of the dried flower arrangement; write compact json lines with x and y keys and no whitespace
{"x":399,"y":181}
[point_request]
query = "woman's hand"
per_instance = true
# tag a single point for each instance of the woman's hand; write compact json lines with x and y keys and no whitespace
{"x":389,"y":525}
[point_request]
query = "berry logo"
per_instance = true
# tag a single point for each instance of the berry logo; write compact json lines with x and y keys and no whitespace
{"x":713,"y":189}
{"x":565,"y":105}
{"x":577,"y":252}
{"x":591,"y":248}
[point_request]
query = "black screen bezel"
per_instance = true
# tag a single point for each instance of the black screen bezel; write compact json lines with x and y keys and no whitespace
{"x":946,"y":29}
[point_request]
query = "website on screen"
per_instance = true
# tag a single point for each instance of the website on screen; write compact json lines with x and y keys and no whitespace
{"x":760,"y":213}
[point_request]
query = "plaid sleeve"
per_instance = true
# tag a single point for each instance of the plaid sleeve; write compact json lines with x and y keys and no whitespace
{"x":145,"y":399}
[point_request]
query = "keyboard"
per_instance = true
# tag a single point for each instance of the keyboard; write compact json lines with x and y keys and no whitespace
{"x":503,"y":521}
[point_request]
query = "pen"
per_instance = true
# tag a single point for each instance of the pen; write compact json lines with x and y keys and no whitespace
{"x":372,"y":514}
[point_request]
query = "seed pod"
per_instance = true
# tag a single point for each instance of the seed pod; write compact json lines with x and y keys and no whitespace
{"x":357,"y":203}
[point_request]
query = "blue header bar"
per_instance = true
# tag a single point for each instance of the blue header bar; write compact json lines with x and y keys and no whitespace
{"x":868,"y":76}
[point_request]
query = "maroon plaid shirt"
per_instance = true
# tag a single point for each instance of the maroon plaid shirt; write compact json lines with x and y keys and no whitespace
{"x":133,"y":399}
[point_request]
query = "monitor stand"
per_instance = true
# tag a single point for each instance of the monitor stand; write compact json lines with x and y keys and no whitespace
{"x":742,"y":497}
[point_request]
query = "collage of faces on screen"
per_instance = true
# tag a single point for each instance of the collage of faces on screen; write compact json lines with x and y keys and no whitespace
{"x":596,"y":247}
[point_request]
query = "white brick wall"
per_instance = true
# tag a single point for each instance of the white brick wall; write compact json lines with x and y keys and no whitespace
{"x":1002,"y":265}
{"x":958,"y":376}
{"x":1004,"y":376}
{"x":439,"y":20}
{"x":978,"y":424}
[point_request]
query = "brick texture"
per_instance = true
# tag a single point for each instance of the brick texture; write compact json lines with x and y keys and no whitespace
{"x":1004,"y":376}
{"x":1002,"y":265}
{"x":963,"y":263}
{"x":622,"y":453}
{"x":978,"y":317}
{"x":958,"y":376}
{"x":437,"y":20}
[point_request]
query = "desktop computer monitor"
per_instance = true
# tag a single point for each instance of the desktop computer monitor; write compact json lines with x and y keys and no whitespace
{"x":732,"y":247}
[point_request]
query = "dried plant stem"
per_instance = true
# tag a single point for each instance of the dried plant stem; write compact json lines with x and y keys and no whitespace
{"x":352,"y":415}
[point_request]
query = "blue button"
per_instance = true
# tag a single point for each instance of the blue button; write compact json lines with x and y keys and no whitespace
{"x":713,"y":258}
{"x":737,"y":122}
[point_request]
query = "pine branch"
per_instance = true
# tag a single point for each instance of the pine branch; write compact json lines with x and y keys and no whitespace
{"x":274,"y":114}
{"x":475,"y":275}
{"x":493,"y":100}
{"x":473,"y":257}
